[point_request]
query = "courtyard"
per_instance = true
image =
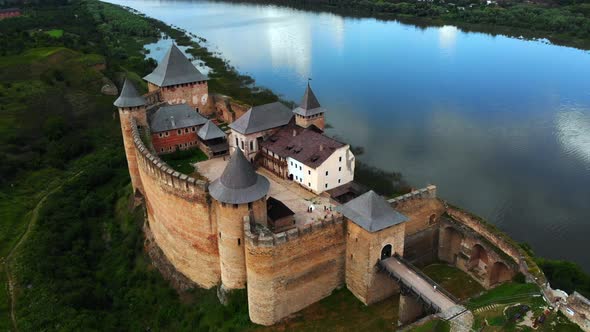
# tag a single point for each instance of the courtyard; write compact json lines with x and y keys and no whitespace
{"x":290,"y":193}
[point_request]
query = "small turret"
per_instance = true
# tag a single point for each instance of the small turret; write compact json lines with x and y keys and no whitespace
{"x":129,"y":97}
{"x":310,"y":112}
{"x":239,"y":192}
{"x":131,"y":106}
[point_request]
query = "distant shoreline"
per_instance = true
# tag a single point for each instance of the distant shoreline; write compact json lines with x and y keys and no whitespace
{"x":432,"y":14}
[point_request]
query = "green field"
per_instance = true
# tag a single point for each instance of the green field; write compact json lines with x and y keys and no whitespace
{"x":455,"y":281}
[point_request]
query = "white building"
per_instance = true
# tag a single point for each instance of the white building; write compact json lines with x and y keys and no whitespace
{"x":306,"y":156}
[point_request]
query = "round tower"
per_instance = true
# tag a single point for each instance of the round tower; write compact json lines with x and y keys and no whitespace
{"x":238,"y":193}
{"x":131,"y":105}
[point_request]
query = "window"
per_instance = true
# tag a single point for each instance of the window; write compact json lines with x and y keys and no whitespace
{"x":296,"y":178}
{"x":326,"y":173}
{"x":309,"y":172}
{"x":186,"y":130}
{"x":162,"y":150}
{"x":220,"y":235}
{"x":251,"y":145}
{"x":338,"y":180}
{"x":239,"y":242}
{"x":326,"y":185}
{"x":235,"y":206}
{"x":300,"y":168}
{"x":250,"y":206}
{"x":242,"y":145}
{"x":194,"y":128}
{"x":237,"y":143}
{"x":179,"y":131}
{"x":291,"y":163}
{"x":161,"y":135}
{"x":301,"y":180}
{"x":309,"y":184}
{"x":340,"y":159}
{"x":339,"y":169}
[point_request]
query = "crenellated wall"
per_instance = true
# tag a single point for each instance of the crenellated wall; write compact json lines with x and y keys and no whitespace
{"x":290,"y":270}
{"x":180,"y":216}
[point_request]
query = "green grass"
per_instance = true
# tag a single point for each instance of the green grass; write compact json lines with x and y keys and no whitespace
{"x":182,"y":161}
{"x":342,"y":311}
{"x":455,"y":281}
{"x":55,"y":33}
{"x":505,"y":293}
{"x":435,"y":325}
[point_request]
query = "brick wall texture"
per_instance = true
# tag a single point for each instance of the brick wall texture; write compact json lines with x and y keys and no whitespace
{"x":286,"y":277}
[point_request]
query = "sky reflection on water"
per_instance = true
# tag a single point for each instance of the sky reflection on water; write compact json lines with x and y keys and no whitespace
{"x":501,"y":125}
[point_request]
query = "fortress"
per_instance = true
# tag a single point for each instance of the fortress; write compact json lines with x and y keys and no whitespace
{"x":275,"y":210}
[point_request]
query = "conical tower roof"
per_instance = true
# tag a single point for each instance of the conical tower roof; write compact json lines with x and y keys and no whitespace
{"x":175,"y":68}
{"x":239,"y":183}
{"x":309,"y":104}
{"x":372,"y":212}
{"x":210,"y":131}
{"x":129,"y":96}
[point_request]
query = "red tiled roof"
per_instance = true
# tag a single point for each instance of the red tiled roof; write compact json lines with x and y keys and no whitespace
{"x":307,"y":146}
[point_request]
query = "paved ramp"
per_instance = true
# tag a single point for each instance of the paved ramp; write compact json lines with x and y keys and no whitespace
{"x":419,"y":284}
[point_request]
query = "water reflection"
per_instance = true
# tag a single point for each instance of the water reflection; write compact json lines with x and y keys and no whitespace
{"x":489,"y":119}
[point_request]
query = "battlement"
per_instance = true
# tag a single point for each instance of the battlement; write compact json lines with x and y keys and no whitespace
{"x":275,"y":239}
{"x":428,"y":192}
{"x":160,"y":170}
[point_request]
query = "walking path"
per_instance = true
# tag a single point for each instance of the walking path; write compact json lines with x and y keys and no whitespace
{"x":31,"y":223}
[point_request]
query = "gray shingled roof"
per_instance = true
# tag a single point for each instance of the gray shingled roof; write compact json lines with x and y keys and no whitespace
{"x":309,"y":104}
{"x":371,"y":212}
{"x":262,"y":117}
{"x":210,"y":131}
{"x":129,"y":96}
{"x":175,"y":69}
{"x":172,"y":117}
{"x":239,"y":183}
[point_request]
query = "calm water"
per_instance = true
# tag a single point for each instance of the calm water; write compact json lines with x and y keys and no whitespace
{"x":501,"y":125}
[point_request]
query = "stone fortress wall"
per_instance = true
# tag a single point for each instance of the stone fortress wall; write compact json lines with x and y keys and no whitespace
{"x":179,"y":215}
{"x":288,"y":271}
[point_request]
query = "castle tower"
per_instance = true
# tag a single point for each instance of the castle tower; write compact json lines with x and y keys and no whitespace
{"x":375,"y":231}
{"x":179,"y":81}
{"x":309,"y":112}
{"x":238,"y":193}
{"x":131,"y":105}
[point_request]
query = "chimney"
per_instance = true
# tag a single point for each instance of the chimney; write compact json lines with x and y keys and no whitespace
{"x":294,"y":132}
{"x":321,"y":147}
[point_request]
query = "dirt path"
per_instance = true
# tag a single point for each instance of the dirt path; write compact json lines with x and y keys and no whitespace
{"x":34,"y":215}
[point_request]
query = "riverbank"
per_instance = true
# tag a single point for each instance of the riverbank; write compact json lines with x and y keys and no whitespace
{"x":81,"y":265}
{"x":565,"y":25}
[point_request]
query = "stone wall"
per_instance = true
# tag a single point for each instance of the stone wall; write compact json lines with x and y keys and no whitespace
{"x":289,"y":271}
{"x":194,"y":94}
{"x":228,"y":109}
{"x":423,"y":209}
{"x":180,"y":216}
{"x":577,"y":309}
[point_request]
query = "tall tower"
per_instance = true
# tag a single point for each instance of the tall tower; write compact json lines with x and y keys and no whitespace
{"x":179,"y":81}
{"x":309,"y":112}
{"x":238,"y":193}
{"x":131,"y":105}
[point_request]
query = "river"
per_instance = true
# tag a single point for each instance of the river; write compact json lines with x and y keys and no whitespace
{"x":501,"y":125}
